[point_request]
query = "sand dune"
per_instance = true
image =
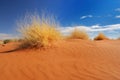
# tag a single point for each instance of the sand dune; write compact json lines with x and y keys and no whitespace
{"x":66,"y":60}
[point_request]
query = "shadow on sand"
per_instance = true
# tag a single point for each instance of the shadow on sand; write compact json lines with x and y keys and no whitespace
{"x":9,"y":51}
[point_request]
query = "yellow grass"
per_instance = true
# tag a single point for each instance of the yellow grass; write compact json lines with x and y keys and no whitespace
{"x":101,"y":36}
{"x":39,"y":32}
{"x":79,"y":34}
{"x":1,"y":42}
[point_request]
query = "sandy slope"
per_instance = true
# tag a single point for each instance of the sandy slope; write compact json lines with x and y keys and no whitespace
{"x":68,"y":60}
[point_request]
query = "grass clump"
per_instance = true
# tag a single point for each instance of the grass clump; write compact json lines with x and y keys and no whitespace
{"x":79,"y":34}
{"x":7,"y":41}
{"x":101,"y":36}
{"x":1,"y":42}
{"x":39,"y":32}
{"x":118,"y":38}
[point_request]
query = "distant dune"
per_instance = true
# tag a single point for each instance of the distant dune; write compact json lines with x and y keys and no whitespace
{"x":72,"y":59}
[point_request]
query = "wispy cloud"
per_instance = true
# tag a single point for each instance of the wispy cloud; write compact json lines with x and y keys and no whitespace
{"x":112,"y":29}
{"x":7,"y":36}
{"x":117,"y":9}
{"x":86,"y":16}
{"x":94,"y":27}
{"x":118,"y":16}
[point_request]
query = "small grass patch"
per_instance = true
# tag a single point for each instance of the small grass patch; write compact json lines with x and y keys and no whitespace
{"x":7,"y":41}
{"x":118,"y":38}
{"x":79,"y":34}
{"x":101,"y":36}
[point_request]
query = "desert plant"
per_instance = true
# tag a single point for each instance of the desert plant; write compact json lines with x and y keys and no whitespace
{"x":101,"y":36}
{"x":7,"y":41}
{"x":19,"y":40}
{"x":1,"y":42}
{"x":119,"y":38}
{"x":79,"y":34}
{"x":39,"y":32}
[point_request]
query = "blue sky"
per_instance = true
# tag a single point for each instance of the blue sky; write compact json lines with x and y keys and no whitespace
{"x":70,"y":13}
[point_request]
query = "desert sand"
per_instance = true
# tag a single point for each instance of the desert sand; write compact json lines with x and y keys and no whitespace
{"x":66,"y":60}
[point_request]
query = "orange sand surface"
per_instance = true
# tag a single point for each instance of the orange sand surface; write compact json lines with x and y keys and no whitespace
{"x":66,"y":60}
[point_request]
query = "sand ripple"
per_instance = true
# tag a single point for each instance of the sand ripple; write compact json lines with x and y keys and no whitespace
{"x":73,"y":60}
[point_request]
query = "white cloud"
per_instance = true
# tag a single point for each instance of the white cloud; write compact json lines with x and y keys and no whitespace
{"x":117,"y":9}
{"x":94,"y":27}
{"x":118,"y":16}
{"x":93,"y":30}
{"x":87,"y":16}
{"x":6,"y":36}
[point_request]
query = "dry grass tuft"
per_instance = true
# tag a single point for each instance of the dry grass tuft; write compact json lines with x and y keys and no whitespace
{"x":119,"y":38}
{"x":38,"y":32}
{"x":1,"y":42}
{"x":79,"y":34}
{"x":101,"y":36}
{"x":7,"y":41}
